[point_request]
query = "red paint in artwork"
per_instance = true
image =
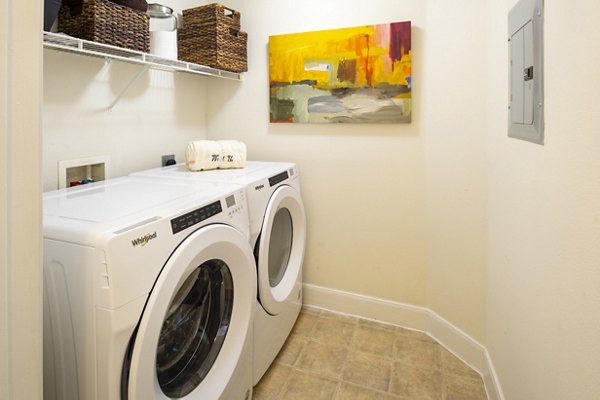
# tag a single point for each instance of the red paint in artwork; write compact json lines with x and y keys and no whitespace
{"x":399,"y":40}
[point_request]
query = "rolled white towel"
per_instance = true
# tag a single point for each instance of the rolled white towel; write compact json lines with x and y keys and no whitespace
{"x":201,"y":155}
{"x":233,"y":154}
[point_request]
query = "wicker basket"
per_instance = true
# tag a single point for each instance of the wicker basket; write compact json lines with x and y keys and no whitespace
{"x":105,"y":22}
{"x":211,"y":36}
{"x":213,"y":14}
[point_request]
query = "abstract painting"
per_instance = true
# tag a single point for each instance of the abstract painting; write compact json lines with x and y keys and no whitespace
{"x":348,"y":75}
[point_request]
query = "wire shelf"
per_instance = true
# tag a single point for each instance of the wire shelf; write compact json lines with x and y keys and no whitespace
{"x":71,"y":44}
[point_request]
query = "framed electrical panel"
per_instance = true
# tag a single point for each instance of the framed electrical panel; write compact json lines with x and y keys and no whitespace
{"x":526,"y":75}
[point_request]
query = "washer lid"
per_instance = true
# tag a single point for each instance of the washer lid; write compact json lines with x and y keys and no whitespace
{"x":116,"y":198}
{"x":280,"y":250}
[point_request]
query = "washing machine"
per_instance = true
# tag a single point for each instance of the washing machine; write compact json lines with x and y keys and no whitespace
{"x":149,"y":291}
{"x":277,"y":235}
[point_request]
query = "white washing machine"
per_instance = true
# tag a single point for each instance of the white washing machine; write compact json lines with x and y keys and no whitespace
{"x":149,"y":292}
{"x":278,"y":237}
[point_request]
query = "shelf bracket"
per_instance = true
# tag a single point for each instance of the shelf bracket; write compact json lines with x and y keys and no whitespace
{"x":137,"y":76}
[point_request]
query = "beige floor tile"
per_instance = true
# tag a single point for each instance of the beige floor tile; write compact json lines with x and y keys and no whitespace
{"x":417,"y":352}
{"x":291,"y":349}
{"x":459,"y":388}
{"x":323,"y":359}
{"x":372,"y":340}
{"x":338,"y":316}
{"x":306,"y":386}
{"x":412,"y":382}
{"x":305,"y":323}
{"x":271,"y":383}
{"x":348,"y":391}
{"x":368,"y":370}
{"x":451,"y":364}
{"x":415,"y":334}
{"x":334,"y":331}
{"x":333,"y":356}
{"x":377,"y":324}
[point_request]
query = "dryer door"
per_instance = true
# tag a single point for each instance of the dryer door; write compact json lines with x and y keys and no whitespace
{"x":280,"y":249}
{"x":197,"y":318}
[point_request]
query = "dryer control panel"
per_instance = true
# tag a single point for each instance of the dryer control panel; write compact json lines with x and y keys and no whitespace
{"x":274,"y":180}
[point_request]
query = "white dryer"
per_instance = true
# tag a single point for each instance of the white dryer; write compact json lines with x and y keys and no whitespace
{"x":278,"y":237}
{"x":149,"y":292}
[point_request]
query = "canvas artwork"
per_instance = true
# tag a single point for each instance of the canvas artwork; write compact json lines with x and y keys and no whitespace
{"x":349,"y":75}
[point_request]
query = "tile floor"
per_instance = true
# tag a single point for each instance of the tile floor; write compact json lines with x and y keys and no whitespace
{"x":337,"y":357}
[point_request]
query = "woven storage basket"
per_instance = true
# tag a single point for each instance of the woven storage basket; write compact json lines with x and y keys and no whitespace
{"x":211,"y":36}
{"x":105,"y":22}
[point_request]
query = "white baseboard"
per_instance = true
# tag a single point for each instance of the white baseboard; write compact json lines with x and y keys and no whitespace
{"x":411,"y":317}
{"x":492,"y":383}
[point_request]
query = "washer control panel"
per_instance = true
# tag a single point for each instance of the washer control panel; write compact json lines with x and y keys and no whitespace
{"x":195,"y":217}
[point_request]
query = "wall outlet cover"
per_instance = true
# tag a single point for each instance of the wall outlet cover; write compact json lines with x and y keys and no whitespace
{"x":168,"y":159}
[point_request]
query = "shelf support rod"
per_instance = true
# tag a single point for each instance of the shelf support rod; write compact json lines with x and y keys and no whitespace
{"x":126,"y":88}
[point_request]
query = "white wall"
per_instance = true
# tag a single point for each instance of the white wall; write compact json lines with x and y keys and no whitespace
{"x":454,"y":123}
{"x":543,"y":280}
{"x":496,"y":235}
{"x":158,"y":115}
{"x":363,"y":186}
{"x":20,"y":206}
{"x":395,"y":212}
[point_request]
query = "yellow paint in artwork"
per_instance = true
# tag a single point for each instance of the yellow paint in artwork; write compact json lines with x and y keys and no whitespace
{"x":289,"y":54}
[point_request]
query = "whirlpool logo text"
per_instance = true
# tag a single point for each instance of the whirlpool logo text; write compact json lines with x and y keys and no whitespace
{"x":142,"y":241}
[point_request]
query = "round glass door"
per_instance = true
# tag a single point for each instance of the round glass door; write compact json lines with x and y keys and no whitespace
{"x":194,"y":329}
{"x":280,"y":246}
{"x":197,"y":323}
{"x":280,"y":249}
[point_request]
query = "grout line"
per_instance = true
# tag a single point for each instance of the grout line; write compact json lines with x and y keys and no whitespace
{"x":392,"y":374}
{"x":285,"y":384}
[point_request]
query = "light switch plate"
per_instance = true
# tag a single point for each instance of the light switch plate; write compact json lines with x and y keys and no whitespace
{"x":526,"y":77}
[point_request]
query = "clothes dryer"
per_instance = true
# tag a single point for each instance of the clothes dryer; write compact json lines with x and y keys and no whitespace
{"x":278,"y":237}
{"x":149,"y":291}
